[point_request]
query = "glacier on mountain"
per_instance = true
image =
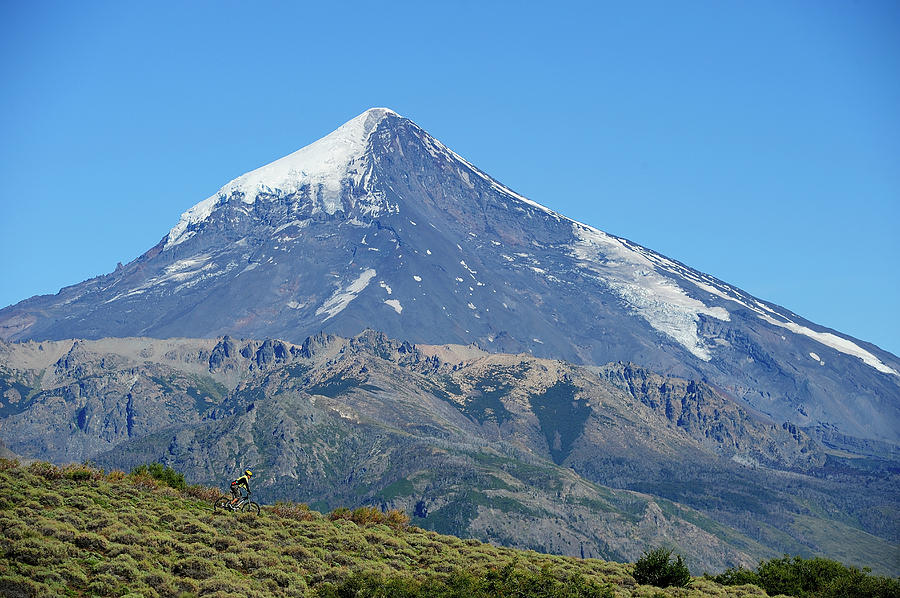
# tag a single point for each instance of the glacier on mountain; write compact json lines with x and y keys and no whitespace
{"x":656,"y":298}
{"x":323,"y":165}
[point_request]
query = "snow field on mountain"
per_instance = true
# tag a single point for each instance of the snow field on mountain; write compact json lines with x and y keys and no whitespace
{"x":323,"y":165}
{"x":342,"y":297}
{"x":657,"y":299}
{"x":188,"y":272}
{"x":764,"y":312}
{"x":835,"y":342}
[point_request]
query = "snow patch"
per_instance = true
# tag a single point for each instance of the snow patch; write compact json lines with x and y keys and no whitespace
{"x":189,"y":270}
{"x":197,"y":213}
{"x":342,"y":297}
{"x":395,"y":304}
{"x":766,"y":313}
{"x":323,"y":165}
{"x":835,"y":342}
{"x":417,"y":278}
{"x":297,"y":223}
{"x":385,"y":287}
{"x":652,"y":296}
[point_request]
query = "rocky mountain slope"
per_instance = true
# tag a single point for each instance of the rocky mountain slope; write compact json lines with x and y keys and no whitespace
{"x":522,"y":451}
{"x":379,"y":225}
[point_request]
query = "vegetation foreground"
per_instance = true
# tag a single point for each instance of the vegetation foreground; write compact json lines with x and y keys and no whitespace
{"x":77,"y":531}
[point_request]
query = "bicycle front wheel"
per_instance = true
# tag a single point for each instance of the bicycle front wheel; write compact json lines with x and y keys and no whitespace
{"x":251,"y":507}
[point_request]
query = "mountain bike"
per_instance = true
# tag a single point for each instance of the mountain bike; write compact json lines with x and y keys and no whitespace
{"x":244,"y":505}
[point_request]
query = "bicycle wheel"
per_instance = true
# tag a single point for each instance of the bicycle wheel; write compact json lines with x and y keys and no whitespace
{"x":251,"y":507}
{"x":221,"y":504}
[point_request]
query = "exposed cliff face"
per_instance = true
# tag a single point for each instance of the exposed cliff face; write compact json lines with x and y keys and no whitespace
{"x":717,"y":422}
{"x":509,"y":448}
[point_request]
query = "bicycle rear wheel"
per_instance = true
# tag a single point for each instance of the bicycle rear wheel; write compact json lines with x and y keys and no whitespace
{"x":221,"y":504}
{"x":251,"y":507}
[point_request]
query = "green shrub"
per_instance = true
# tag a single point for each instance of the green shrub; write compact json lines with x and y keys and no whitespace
{"x":816,"y":577}
{"x":162,"y":581}
{"x":59,"y":530}
{"x":50,"y":499}
{"x":193,"y":567}
{"x":79,"y":502}
{"x":91,"y":541}
{"x":508,"y":581}
{"x":655,"y":568}
{"x":123,"y":567}
{"x":299,"y":552}
{"x":162,"y":473}
{"x":104,"y":585}
{"x":186,"y":588}
{"x":37,"y":551}
{"x":17,"y":585}
{"x":735,"y":577}
{"x":72,"y":573}
{"x":370,"y":515}
{"x":215,"y":586}
{"x":80,"y":473}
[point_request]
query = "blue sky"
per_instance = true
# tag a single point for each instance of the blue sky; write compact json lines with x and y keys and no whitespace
{"x":755,"y":141}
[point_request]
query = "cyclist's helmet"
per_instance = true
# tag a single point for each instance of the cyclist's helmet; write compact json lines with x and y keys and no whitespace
{"x":248,"y":473}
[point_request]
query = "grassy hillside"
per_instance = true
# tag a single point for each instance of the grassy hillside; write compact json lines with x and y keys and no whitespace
{"x":77,"y":531}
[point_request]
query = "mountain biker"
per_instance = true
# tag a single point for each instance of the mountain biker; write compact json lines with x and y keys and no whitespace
{"x":244,"y":481}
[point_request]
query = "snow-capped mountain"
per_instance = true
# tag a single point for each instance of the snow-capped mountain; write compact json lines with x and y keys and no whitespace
{"x":379,"y":225}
